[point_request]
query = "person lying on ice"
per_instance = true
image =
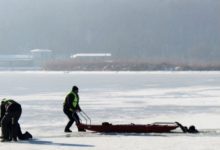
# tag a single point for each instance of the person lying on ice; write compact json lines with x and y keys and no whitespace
{"x":71,"y":107}
{"x":10,"y":114}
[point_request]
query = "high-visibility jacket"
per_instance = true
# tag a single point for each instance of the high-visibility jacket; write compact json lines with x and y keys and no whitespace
{"x":71,"y":101}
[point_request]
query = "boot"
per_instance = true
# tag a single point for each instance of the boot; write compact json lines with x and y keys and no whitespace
{"x":5,"y":140}
{"x":67,"y":130}
{"x":81,"y":130}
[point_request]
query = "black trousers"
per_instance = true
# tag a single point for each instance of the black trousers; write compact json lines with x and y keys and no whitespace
{"x":72,"y":117}
{"x":10,"y":122}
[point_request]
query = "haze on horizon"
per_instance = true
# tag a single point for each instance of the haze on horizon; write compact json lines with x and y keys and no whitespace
{"x":178,"y":30}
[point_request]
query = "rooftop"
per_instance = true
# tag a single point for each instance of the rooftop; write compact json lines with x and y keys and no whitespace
{"x":15,"y":57}
{"x":91,"y":55}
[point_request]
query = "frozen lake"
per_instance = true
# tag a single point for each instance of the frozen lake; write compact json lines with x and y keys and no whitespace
{"x":116,"y":97}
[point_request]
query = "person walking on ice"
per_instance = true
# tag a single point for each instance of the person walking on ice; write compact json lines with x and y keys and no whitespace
{"x":71,"y":107}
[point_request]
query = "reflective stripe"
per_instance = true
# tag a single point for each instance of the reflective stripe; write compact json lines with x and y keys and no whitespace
{"x":76,"y":99}
{"x":7,"y":101}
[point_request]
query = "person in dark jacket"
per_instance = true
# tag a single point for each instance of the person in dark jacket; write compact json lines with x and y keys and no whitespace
{"x":10,"y":114}
{"x":71,"y":107}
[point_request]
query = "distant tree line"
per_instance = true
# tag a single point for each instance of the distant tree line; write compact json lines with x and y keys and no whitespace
{"x":126,"y":65}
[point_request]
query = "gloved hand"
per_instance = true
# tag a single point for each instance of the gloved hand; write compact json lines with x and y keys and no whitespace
{"x":78,"y":110}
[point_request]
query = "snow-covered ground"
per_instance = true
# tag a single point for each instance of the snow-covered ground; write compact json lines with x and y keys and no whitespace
{"x":116,"y":97}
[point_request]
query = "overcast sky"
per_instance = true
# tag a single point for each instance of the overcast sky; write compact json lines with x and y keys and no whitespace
{"x":146,"y":28}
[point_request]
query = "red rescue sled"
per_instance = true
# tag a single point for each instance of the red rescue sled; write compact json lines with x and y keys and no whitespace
{"x":130,"y":128}
{"x":158,"y":127}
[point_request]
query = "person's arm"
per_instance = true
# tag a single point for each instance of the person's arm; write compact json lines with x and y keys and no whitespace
{"x":78,"y":108}
{"x":2,"y":112}
{"x":183,"y":128}
{"x":69,"y":102}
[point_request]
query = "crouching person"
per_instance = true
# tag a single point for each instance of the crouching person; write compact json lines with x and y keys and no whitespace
{"x":10,"y":114}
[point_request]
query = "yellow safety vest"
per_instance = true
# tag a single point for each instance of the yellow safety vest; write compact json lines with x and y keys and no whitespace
{"x":74,"y":102}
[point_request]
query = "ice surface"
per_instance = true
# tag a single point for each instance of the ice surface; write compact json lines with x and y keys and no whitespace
{"x":116,"y":97}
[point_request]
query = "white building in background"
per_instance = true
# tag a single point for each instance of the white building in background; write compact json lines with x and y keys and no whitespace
{"x":8,"y":62}
{"x":33,"y":60}
{"x":92,"y":56}
{"x":40,"y":56}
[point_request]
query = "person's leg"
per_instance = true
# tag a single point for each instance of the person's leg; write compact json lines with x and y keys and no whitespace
{"x":71,"y":120}
{"x":25,"y":136}
{"x":13,"y":129}
{"x":6,"y":124}
{"x":16,"y":116}
{"x":19,"y":133}
{"x":76,"y":118}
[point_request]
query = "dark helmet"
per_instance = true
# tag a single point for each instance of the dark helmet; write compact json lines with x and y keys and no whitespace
{"x":192,"y":129}
{"x":75,"y":88}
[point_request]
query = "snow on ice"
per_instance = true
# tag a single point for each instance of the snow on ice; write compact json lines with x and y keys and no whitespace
{"x":116,"y":97}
